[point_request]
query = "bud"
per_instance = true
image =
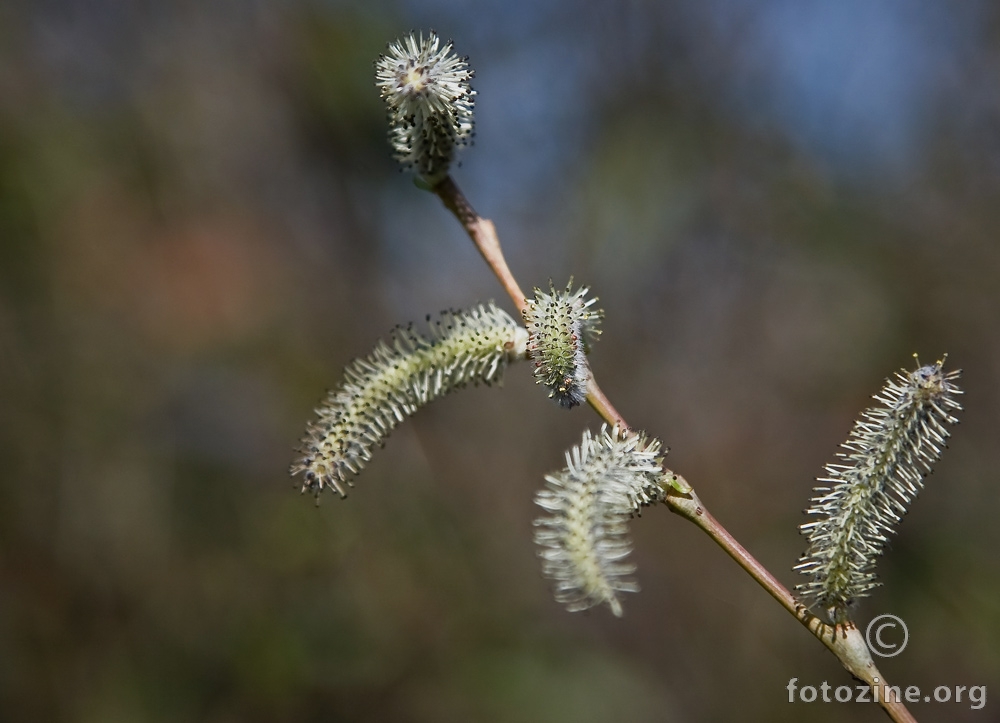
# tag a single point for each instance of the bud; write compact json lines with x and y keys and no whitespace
{"x":561,"y":328}
{"x":430,"y":103}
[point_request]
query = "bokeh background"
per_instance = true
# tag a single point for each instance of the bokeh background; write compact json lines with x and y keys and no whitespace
{"x":777,"y":202}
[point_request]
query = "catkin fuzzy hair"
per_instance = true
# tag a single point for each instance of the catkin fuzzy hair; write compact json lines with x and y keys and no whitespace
{"x":584,"y":537}
{"x":379,"y":391}
{"x":429,"y":101}
{"x":889,"y":451}
{"x":561,"y":327}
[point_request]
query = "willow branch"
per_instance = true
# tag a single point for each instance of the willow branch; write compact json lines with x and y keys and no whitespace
{"x":845,"y":641}
{"x":483,"y":234}
{"x":602,"y":405}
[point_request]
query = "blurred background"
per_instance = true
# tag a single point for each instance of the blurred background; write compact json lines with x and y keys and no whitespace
{"x":778,"y":204}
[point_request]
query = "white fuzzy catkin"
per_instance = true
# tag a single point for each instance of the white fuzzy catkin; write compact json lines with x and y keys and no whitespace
{"x":430,"y":103}
{"x":379,"y":391}
{"x":889,"y":451}
{"x":561,"y":327}
{"x":584,"y":537}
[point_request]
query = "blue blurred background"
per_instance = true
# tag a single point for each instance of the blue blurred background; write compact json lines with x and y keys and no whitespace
{"x":777,"y":202}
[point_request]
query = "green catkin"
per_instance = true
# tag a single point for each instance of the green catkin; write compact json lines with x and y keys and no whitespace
{"x":379,"y":391}
{"x":889,"y":451}
{"x":561,"y":327}
{"x":584,"y":537}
